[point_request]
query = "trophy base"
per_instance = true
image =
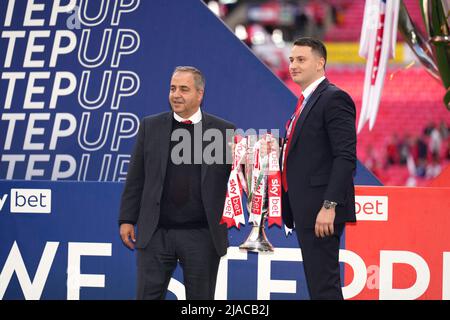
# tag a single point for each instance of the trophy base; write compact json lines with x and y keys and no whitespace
{"x":257,"y":241}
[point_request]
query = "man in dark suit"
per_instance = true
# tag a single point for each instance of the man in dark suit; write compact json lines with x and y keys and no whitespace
{"x":175,"y":195}
{"x":318,"y":163}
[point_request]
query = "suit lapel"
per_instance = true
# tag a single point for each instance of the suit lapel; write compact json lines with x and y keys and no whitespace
{"x":309,"y":105}
{"x":206,"y":124}
{"x":165,"y":133}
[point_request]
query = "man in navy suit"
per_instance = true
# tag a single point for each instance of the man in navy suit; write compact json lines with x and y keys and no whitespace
{"x":177,"y":205}
{"x":318,"y":163}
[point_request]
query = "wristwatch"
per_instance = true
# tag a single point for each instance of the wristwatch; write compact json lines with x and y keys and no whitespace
{"x":327,"y":204}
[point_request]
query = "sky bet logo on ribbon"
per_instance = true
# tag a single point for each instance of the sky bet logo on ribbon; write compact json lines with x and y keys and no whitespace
{"x":28,"y":200}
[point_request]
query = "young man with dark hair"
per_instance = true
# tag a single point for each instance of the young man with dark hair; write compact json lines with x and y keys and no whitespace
{"x":318,"y":163}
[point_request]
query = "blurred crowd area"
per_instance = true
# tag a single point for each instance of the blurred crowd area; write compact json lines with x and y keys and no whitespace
{"x":294,"y":18}
{"x":269,"y":26}
{"x":412,"y":160}
{"x":409,"y":144}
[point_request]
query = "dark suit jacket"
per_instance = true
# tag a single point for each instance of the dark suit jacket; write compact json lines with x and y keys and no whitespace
{"x":322,"y":158}
{"x":140,"y":203}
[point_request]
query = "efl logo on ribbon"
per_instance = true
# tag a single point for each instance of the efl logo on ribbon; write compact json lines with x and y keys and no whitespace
{"x":31,"y":201}
{"x":371,"y":208}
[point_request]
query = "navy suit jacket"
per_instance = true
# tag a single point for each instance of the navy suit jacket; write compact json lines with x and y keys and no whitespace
{"x":322,"y":158}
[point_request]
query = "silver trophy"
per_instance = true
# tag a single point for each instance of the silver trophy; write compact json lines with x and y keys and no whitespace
{"x":257,"y":240}
{"x":433,"y":50}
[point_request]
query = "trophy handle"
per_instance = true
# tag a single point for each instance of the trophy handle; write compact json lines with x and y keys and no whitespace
{"x":416,"y":41}
{"x":436,"y":16}
{"x":432,"y":51}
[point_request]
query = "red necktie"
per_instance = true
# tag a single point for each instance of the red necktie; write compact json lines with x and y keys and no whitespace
{"x":187,"y":121}
{"x":289,"y":134}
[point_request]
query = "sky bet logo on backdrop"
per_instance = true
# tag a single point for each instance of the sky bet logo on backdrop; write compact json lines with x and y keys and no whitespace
{"x":28,"y":200}
{"x":371,"y":208}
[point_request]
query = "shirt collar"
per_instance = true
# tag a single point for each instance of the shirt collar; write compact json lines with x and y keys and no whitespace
{"x":310,"y":89}
{"x":195,"y":118}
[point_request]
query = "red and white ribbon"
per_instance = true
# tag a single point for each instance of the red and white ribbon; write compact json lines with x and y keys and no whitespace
{"x":274,"y":185}
{"x":258,"y":184}
{"x":233,"y":213}
{"x":265,"y":175}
